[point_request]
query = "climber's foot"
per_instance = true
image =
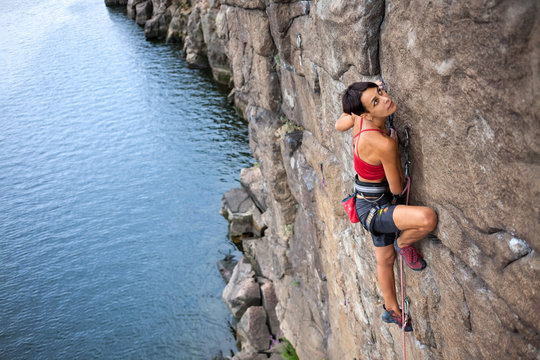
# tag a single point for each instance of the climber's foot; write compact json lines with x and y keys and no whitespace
{"x":392,"y":317}
{"x":411,"y":256}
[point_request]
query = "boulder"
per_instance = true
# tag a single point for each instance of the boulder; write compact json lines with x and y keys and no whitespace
{"x":226,"y":267}
{"x":143,"y":12}
{"x":235,"y":201}
{"x":269,"y":303}
{"x":132,"y":7}
{"x":252,"y":330}
{"x":242,"y":291}
{"x":157,"y":27}
{"x":244,"y":217}
{"x":252,"y":180}
{"x":268,"y":254}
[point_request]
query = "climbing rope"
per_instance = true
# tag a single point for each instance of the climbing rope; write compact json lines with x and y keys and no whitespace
{"x":406,"y":190}
{"x":405,"y":300}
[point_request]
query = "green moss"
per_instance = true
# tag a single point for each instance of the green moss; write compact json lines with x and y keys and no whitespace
{"x":289,"y":230}
{"x":277,"y":59}
{"x":288,"y":352}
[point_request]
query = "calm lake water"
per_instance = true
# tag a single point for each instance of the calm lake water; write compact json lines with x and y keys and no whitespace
{"x":113,"y":157}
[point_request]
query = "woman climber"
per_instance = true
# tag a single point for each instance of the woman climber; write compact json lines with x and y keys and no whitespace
{"x":379,"y":180}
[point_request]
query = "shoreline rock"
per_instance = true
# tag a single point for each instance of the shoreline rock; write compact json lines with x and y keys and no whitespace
{"x":252,"y":301}
{"x":116,"y":2}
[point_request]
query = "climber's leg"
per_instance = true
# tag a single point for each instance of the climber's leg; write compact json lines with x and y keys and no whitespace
{"x":414,"y":222}
{"x":385,"y":257}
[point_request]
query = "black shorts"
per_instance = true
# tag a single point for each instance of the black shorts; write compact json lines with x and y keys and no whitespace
{"x":383,"y":230}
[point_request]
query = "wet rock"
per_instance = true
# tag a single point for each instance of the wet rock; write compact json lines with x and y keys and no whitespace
{"x":242,"y":291}
{"x":116,"y":2}
{"x":226,"y":267}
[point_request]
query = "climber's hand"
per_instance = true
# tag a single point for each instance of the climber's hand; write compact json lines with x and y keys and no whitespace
{"x":393,"y":135}
{"x":381,"y":85}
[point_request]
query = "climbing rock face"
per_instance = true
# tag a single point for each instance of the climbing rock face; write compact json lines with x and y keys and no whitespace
{"x":465,"y":78}
{"x":455,"y":94}
{"x":475,"y":154}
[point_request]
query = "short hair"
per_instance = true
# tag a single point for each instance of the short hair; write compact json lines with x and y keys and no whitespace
{"x":350,"y":99}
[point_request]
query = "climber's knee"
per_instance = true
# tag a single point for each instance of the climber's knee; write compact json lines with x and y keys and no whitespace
{"x":429,"y":221}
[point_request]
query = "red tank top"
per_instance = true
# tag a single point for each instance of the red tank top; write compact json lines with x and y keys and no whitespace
{"x":363,"y":169}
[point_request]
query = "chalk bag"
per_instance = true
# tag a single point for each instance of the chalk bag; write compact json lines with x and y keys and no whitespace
{"x":349,"y":204}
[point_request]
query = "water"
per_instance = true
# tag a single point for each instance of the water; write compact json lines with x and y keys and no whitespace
{"x":113,"y":160}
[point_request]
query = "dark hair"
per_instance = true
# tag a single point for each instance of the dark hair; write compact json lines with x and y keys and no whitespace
{"x":350,"y":99}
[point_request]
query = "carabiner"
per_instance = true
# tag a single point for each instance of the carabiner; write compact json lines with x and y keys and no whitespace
{"x":406,"y":139}
{"x":406,"y":304}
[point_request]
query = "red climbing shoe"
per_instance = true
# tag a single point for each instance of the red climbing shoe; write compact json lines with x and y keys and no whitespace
{"x":411,"y":257}
{"x":391,"y":317}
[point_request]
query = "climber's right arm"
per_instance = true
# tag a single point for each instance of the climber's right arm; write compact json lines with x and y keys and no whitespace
{"x":387,"y":150}
{"x":345,"y":122}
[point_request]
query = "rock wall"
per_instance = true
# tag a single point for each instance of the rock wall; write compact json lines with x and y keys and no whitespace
{"x":465,"y":78}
